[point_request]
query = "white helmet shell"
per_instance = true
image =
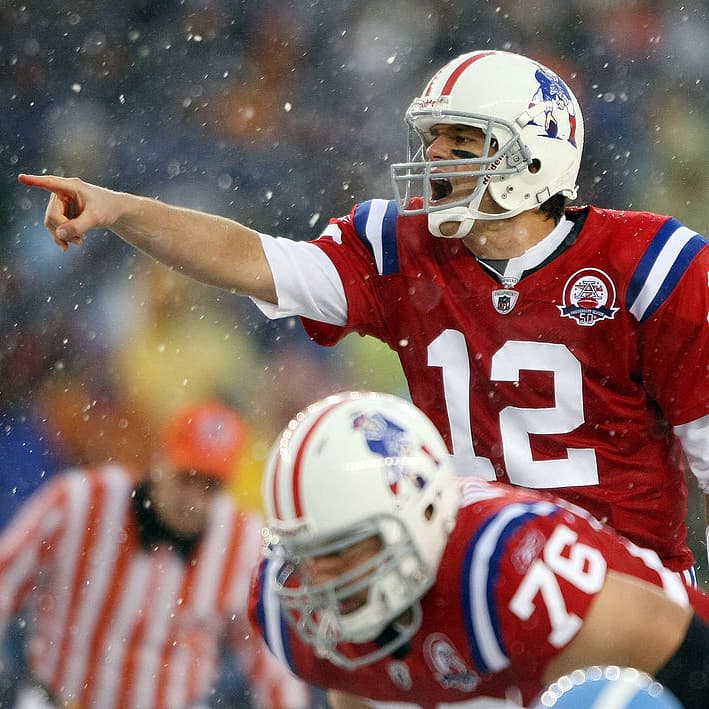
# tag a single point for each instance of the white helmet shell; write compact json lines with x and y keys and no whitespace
{"x":353,"y":466}
{"x":532,"y":123}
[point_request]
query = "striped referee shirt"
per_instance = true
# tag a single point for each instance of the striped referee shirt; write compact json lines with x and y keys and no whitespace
{"x":117,"y":626}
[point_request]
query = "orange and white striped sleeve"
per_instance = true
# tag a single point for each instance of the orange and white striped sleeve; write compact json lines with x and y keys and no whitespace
{"x":27,"y":543}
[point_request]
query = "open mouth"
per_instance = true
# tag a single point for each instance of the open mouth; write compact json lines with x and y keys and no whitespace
{"x":441,"y":188}
{"x":351,"y":604}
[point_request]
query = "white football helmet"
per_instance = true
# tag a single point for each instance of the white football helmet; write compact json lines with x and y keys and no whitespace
{"x":354,"y":466}
{"x":533,"y":131}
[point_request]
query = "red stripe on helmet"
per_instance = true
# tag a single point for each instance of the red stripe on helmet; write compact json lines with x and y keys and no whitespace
{"x":450,"y":83}
{"x":297,"y":469}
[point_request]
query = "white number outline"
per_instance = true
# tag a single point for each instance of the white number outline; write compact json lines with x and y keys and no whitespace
{"x":449,"y":351}
{"x":584,"y":567}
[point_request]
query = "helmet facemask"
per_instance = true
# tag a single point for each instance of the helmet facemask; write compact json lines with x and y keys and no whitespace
{"x":503,"y":153}
{"x":325,"y":615}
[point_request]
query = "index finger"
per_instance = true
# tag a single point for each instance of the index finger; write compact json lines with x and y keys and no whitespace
{"x":46,"y":182}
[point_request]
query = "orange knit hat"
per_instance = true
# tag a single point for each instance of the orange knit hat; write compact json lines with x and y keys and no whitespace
{"x":207,"y":437}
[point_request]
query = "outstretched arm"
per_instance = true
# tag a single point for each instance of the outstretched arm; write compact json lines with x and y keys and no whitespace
{"x":209,"y":248}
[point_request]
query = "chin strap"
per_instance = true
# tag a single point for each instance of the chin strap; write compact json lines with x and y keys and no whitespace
{"x":464,"y":216}
{"x":461,"y":215}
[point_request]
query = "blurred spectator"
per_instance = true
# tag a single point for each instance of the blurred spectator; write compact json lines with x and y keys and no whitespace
{"x":131,"y":582}
{"x":172,"y":343}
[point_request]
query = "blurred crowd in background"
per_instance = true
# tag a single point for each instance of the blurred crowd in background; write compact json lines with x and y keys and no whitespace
{"x":281,"y":114}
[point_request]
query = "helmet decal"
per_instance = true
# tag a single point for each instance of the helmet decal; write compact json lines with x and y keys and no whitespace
{"x":557,"y":100}
{"x":385,"y":438}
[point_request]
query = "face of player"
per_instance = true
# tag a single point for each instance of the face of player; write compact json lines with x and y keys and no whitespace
{"x":182,"y":499}
{"x":488,"y":239}
{"x":455,"y":142}
{"x":317,"y":570}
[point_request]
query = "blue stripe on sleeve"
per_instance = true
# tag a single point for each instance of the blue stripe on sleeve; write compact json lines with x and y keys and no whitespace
{"x":648,"y":260}
{"x":482,"y":566}
{"x":375,"y":222}
{"x":260,"y":606}
{"x":390,"y":251}
{"x":688,"y":252}
{"x":361,"y":215}
{"x":279,"y":646}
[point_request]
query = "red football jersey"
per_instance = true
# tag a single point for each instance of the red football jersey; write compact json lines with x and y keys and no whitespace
{"x":568,"y":380}
{"x":515,"y":582}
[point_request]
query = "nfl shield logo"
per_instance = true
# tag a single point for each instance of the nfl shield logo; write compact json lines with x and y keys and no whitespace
{"x":504,"y":300}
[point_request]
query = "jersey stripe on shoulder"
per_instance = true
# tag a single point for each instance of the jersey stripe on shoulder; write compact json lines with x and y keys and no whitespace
{"x":661,"y":268}
{"x":480,"y":575}
{"x":272,"y":621}
{"x":375,"y":223}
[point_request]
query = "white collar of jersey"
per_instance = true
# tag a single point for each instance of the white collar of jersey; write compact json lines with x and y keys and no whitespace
{"x":538,"y":253}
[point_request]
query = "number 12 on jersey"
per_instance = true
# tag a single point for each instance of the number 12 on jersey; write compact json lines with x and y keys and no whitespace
{"x":449,"y":351}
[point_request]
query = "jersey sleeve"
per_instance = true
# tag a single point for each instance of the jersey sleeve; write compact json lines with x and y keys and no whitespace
{"x":531,"y":573}
{"x":362,"y":247}
{"x":669,"y":295}
{"x":266,"y":617}
{"x":307,"y":283}
{"x":27,"y":542}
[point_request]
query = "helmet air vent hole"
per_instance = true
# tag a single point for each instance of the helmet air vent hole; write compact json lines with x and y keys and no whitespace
{"x":535,"y":166}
